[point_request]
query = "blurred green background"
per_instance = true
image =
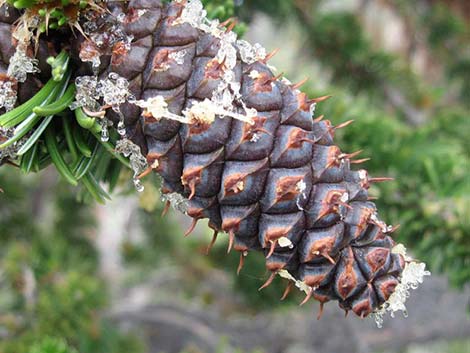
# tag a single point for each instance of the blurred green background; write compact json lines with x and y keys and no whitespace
{"x":79,"y":277}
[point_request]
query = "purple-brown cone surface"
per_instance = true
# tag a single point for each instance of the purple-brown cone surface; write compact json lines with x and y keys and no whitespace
{"x":278,"y":185}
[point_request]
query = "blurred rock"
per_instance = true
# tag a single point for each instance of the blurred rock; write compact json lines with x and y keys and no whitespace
{"x":435,"y":313}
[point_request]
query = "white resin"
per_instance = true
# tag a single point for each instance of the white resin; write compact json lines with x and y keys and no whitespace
{"x":412,"y":275}
{"x":177,"y":201}
{"x":7,"y":95}
{"x":137,"y":160}
{"x":285,"y":242}
{"x":299,"y":284}
{"x":21,"y":64}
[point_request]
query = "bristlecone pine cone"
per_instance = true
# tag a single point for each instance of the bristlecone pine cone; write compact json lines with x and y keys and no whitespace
{"x":261,"y":168}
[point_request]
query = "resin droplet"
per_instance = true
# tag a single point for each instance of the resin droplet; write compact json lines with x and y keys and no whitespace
{"x":121,"y":128}
{"x":21,"y":64}
{"x":412,"y":275}
{"x":104,"y":132}
{"x":138,"y":185}
{"x":7,"y":93}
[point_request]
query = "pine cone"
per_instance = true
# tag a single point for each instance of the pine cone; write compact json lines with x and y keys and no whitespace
{"x":264,"y":171}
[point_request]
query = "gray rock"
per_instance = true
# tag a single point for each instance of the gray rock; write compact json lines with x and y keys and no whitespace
{"x":435,"y":313}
